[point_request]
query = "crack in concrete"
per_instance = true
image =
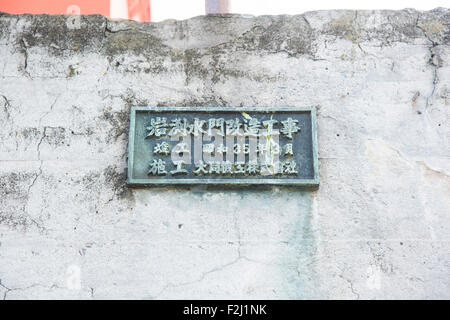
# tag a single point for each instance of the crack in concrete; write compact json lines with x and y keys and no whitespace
{"x":435,"y":66}
{"x":307,"y":23}
{"x":25,"y":206}
{"x":201,"y":278}
{"x":8,"y":290}
{"x":37,"y":175}
{"x":238,"y":232}
{"x":44,"y":133}
{"x":109,"y":30}
{"x":433,"y":61}
{"x":353,"y":289}
{"x":215,"y":269}
{"x":24,"y":48}
{"x":350,"y":285}
{"x":6,"y":105}
{"x":50,"y":110}
{"x":38,"y":147}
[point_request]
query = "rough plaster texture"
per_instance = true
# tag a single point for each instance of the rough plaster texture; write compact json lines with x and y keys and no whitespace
{"x":378,"y":227}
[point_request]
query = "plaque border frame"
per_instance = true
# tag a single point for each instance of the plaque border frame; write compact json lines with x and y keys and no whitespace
{"x":303,"y":183}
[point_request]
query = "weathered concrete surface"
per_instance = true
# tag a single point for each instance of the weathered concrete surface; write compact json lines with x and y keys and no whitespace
{"x":378,"y":227}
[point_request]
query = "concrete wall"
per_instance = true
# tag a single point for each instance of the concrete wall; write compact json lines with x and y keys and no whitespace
{"x":378,"y":227}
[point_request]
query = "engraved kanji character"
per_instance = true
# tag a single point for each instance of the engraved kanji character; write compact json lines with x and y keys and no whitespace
{"x":208,"y":148}
{"x":201,"y":168}
{"x":197,"y":127}
{"x":274,"y":148}
{"x":252,"y":168}
{"x":289,"y":167}
{"x":222,"y":149}
{"x":179,"y":169}
{"x":227,"y":167}
{"x":234,"y":127}
{"x":252,"y":129}
{"x":157,"y":167}
{"x":278,"y":167}
{"x":260,"y":148}
{"x":272,"y":167}
{"x":158,"y":127}
{"x":215,"y":167}
{"x":269,"y":127}
{"x":289,"y":127}
{"x":239,"y":168}
{"x":181,"y":147}
{"x":216,"y":123}
{"x":220,"y":124}
{"x":267,"y":169}
{"x":178,"y":127}
{"x":162,"y":148}
{"x":288,"y":149}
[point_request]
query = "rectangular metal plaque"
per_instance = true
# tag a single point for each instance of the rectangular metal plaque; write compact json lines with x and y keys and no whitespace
{"x":220,"y":145}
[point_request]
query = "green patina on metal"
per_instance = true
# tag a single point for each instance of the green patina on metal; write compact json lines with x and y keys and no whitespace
{"x":151,"y":128}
